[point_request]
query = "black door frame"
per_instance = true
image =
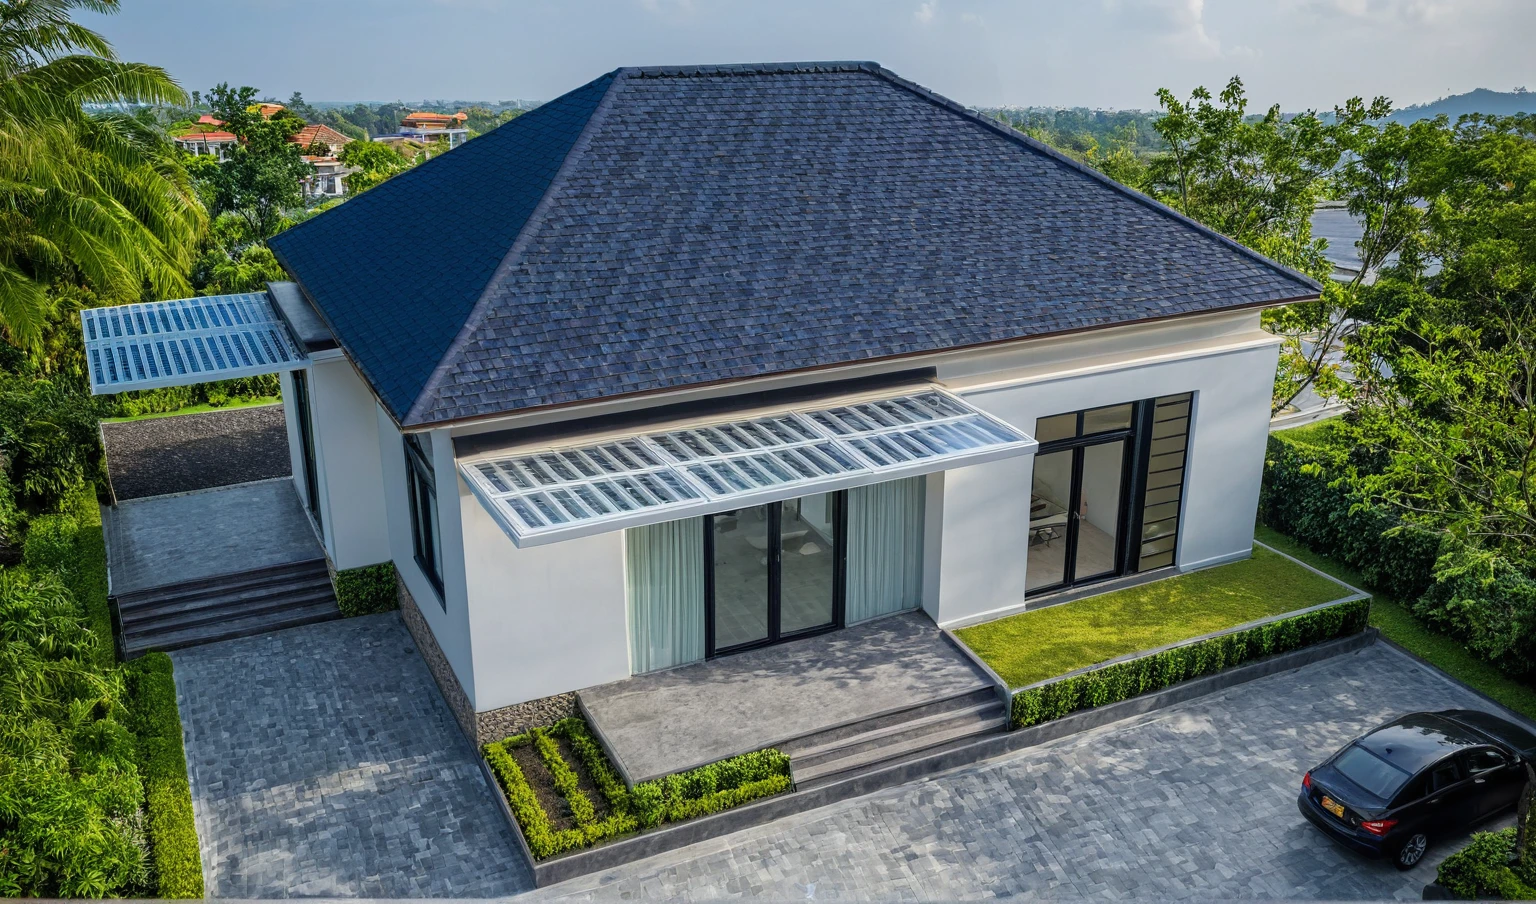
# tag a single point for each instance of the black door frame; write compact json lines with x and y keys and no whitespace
{"x":775,"y":572}
{"x":1133,"y":444}
{"x":305,"y":417}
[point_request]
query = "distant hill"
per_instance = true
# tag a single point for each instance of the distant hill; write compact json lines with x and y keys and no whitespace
{"x":1482,"y":100}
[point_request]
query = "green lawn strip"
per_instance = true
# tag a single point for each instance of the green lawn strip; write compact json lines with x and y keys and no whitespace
{"x":197,"y":409}
{"x":1033,"y":646}
{"x":156,"y":724}
{"x":1398,"y":625}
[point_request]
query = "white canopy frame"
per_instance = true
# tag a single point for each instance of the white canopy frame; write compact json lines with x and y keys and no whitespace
{"x":185,"y":341}
{"x":543,"y":495}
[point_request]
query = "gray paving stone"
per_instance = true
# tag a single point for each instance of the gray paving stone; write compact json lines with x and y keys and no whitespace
{"x":324,"y":762}
{"x":1195,"y":802}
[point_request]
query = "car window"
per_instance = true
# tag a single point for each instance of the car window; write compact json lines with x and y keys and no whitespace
{"x":1370,"y":771}
{"x":1444,"y":774}
{"x":1484,"y":759}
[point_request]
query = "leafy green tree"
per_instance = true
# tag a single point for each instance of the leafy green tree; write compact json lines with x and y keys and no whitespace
{"x":375,"y":161}
{"x":93,"y":199}
{"x":261,"y":178}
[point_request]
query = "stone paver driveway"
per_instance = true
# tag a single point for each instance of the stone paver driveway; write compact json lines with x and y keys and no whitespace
{"x":1194,"y":802}
{"x":325,"y":763}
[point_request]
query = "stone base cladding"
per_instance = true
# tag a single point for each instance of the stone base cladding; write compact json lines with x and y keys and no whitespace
{"x":518,"y":718}
{"x":480,"y":728}
{"x":437,"y":664}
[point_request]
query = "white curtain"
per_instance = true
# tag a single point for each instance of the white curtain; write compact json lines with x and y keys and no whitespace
{"x":885,"y":548}
{"x":665,"y":565}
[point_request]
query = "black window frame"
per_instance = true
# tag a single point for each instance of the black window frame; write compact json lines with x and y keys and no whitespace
{"x":775,"y":572}
{"x":426,"y":527}
{"x":303,"y":413}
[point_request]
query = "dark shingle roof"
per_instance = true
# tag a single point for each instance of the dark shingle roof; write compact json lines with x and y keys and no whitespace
{"x":720,"y":223}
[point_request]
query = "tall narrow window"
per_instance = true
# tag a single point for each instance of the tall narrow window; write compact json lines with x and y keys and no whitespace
{"x":305,"y":419}
{"x":426,"y":542}
{"x":1166,"y":452}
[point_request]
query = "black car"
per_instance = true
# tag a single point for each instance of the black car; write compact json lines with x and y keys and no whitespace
{"x":1389,"y":793}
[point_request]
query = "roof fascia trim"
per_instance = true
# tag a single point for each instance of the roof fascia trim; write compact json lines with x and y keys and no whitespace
{"x":514,"y":255}
{"x":1048,"y":151}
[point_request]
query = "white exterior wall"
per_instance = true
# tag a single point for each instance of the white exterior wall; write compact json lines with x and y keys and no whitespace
{"x":447,"y":613}
{"x":544,"y":620}
{"x":347,"y":459}
{"x":984,"y":543}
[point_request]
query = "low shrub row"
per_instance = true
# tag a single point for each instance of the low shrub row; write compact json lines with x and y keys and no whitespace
{"x":366,"y":590}
{"x":1488,"y":603}
{"x":156,"y":723}
{"x":1124,"y":680}
{"x":698,"y":792}
{"x":1483,"y":869}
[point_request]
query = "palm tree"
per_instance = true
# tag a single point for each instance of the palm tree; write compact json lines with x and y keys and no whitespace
{"x":92,"y":198}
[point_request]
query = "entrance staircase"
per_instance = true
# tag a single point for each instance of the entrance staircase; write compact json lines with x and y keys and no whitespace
{"x":888,"y":739}
{"x":266,"y":599}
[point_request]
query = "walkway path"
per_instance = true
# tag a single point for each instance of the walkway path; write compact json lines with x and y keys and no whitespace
{"x":325,"y":763}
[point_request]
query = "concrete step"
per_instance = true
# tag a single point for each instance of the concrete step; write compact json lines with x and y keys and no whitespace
{"x":216,"y":609}
{"x":155,"y":597}
{"x":232,"y":628}
{"x":981,"y":716}
{"x":888,"y":754}
{"x":955,"y":702}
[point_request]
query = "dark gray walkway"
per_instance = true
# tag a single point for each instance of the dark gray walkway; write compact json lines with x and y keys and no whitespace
{"x":1195,"y":802}
{"x":665,"y":722}
{"x":325,"y":763}
{"x":171,"y":539}
{"x":187,"y":452}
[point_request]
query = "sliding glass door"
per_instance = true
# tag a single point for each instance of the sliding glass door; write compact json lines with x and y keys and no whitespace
{"x":775,"y":572}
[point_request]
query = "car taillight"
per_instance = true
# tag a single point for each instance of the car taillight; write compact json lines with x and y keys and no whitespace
{"x":1306,"y":781}
{"x":1378,"y":827}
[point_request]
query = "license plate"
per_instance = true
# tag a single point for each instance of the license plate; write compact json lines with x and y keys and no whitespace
{"x":1333,"y":806}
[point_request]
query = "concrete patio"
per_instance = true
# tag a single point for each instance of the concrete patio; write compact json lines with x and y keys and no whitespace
{"x":666,"y":722}
{"x":166,"y":540}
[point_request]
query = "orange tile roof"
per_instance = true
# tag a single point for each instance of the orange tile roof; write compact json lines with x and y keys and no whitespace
{"x":319,"y":132}
{"x":206,"y":120}
{"x":206,"y":137}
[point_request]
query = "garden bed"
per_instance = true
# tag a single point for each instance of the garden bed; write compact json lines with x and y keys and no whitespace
{"x":565,"y":795}
{"x":1045,"y":643}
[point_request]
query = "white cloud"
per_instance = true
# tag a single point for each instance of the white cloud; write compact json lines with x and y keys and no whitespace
{"x":1389,"y":12}
{"x":926,"y":12}
{"x":972,"y":19}
{"x":1179,"y":23}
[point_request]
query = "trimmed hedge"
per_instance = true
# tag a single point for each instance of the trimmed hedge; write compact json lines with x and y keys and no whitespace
{"x":1486,"y":602}
{"x":367,"y":590}
{"x":1482,"y":869}
{"x":1124,"y":680}
{"x":1306,"y":495}
{"x":156,"y":721}
{"x":697,"y":792}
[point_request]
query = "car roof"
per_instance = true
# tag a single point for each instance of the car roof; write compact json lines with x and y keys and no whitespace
{"x":1419,"y":739}
{"x":1510,"y":733}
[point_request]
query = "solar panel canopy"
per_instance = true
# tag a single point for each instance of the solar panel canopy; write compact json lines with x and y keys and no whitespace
{"x":542,"y":495}
{"x":189,"y":340}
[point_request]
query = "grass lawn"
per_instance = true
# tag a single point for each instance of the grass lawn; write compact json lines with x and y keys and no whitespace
{"x":1398,"y":625}
{"x":1033,"y":646}
{"x":197,"y":409}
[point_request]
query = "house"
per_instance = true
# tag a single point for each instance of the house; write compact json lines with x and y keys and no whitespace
{"x":422,"y":126}
{"x":316,"y":133}
{"x":708,"y":359}
{"x":329,"y":179}
{"x":213,"y":141}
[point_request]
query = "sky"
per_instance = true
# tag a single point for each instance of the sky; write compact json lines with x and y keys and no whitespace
{"x":1301,"y":54}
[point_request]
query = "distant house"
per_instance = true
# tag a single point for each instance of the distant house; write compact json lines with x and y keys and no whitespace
{"x":267,"y":110}
{"x":329,"y":179}
{"x":215,"y":142}
{"x":422,"y":126}
{"x":326,"y":135}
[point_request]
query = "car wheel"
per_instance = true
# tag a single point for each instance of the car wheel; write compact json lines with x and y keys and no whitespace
{"x":1412,"y":851}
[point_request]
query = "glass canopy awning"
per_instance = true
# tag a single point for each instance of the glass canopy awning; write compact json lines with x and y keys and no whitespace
{"x":189,"y":340}
{"x":542,"y":495}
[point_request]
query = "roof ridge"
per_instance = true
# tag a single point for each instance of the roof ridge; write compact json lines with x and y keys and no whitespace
{"x":707,"y":69}
{"x":477,"y":314}
{"x":1041,"y":147}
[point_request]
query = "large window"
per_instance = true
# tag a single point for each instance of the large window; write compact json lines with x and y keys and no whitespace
{"x":426,"y":540}
{"x":305,"y":417}
{"x":775,"y":571}
{"x":1108,"y":484}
